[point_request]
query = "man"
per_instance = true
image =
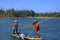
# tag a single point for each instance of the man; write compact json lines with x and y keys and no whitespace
{"x":15,"y":27}
{"x":37,"y":28}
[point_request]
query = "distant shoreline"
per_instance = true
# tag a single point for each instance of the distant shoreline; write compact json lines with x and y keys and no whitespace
{"x":43,"y":17}
{"x":33,"y":17}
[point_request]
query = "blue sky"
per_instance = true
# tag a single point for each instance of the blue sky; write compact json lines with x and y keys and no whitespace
{"x":36,"y":5}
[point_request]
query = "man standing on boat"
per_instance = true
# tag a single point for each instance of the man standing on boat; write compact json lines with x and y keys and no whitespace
{"x":37,"y":28}
{"x":15,"y":27}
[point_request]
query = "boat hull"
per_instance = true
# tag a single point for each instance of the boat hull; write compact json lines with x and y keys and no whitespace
{"x":25,"y":38}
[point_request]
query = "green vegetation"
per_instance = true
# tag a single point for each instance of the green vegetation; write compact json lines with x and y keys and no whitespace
{"x":26,"y":13}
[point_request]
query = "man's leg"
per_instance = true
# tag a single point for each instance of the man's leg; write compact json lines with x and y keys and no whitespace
{"x":37,"y":34}
{"x":13,"y":31}
{"x":16,"y":31}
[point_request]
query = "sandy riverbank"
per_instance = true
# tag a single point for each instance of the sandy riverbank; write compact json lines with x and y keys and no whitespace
{"x":46,"y":17}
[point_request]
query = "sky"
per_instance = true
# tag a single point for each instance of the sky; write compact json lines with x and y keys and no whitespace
{"x":36,"y":5}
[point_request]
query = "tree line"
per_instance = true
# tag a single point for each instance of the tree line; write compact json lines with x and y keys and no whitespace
{"x":26,"y":13}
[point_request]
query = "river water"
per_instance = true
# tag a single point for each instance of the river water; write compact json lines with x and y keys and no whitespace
{"x":49,"y":28}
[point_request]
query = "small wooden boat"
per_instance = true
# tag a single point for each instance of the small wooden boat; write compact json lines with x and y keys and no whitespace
{"x":21,"y":36}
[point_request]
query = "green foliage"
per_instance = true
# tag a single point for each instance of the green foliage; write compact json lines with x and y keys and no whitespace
{"x":27,"y":13}
{"x":1,"y":11}
{"x":9,"y":13}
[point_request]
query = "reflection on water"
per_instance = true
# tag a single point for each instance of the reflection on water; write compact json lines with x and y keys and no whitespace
{"x":14,"y":38}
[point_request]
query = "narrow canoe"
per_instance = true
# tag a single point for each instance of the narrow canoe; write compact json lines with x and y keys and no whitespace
{"x":26,"y":38}
{"x":15,"y":35}
{"x":33,"y":38}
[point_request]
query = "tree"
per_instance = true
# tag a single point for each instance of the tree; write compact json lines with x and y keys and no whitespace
{"x":9,"y":13}
{"x":1,"y":11}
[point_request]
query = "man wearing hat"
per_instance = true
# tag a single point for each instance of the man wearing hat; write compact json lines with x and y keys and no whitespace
{"x":15,"y":27}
